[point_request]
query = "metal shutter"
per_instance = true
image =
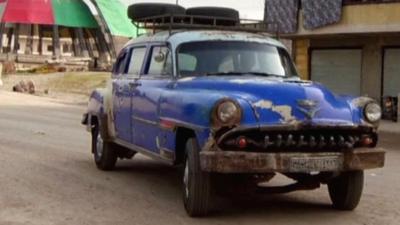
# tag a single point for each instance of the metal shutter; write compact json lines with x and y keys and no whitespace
{"x":391,"y":73}
{"x":338,"y":69}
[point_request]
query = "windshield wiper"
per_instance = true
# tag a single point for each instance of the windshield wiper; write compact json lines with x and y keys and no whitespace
{"x":225,"y":73}
{"x":266,"y":74}
{"x":243,"y":73}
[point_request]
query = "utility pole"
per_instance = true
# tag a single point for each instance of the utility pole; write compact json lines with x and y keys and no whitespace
{"x":177,"y":2}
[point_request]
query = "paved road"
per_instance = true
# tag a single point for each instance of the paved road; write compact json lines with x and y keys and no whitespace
{"x":47,"y":177}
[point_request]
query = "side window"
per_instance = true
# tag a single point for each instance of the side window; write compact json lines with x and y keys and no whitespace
{"x":161,"y":62}
{"x":136,"y":61}
{"x":187,"y":64}
{"x":120,"y":64}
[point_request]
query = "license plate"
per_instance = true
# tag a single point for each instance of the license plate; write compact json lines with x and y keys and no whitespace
{"x":315,"y":164}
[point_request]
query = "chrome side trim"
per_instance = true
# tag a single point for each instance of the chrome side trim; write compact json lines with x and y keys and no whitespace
{"x":145,"y":121}
{"x":180,"y":123}
{"x":177,"y":122}
{"x":144,"y":152}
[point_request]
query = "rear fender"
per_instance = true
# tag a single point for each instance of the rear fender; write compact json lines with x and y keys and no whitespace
{"x":100,"y":109}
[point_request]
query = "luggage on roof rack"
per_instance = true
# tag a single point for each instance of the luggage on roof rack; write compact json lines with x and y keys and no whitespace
{"x":140,"y":11}
{"x":157,"y":17}
{"x":228,"y":16}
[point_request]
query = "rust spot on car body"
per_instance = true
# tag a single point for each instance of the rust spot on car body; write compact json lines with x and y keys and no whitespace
{"x":285,"y":111}
{"x":210,"y":144}
{"x":361,"y":101}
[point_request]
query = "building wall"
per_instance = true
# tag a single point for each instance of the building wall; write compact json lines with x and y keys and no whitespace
{"x":372,"y":56}
{"x":67,"y":44}
{"x":300,"y":51}
{"x":120,"y":42}
{"x":363,"y":18}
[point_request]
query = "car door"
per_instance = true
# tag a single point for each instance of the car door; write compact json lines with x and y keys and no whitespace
{"x":129,"y":66}
{"x":156,"y":79}
{"x":121,"y":104}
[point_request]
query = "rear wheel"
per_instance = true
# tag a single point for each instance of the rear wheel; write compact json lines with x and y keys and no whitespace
{"x":104,"y":155}
{"x":196,"y":183}
{"x":346,"y":190}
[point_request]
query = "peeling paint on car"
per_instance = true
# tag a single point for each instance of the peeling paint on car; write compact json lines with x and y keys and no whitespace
{"x":209,"y":144}
{"x":264,"y":104}
{"x":285,"y":111}
{"x":361,"y":101}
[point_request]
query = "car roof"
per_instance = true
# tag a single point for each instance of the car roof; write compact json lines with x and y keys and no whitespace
{"x":177,"y":37}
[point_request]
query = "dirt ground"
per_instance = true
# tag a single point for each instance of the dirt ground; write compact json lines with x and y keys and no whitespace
{"x":71,"y":87}
{"x":47,"y":176}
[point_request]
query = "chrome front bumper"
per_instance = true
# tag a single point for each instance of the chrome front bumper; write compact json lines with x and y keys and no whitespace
{"x":250,"y":162}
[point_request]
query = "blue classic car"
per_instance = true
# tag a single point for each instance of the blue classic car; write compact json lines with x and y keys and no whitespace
{"x":230,"y":108}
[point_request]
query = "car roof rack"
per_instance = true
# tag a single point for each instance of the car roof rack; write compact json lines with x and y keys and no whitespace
{"x":194,"y":22}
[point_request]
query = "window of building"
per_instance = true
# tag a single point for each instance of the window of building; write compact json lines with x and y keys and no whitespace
{"x":66,"y":47}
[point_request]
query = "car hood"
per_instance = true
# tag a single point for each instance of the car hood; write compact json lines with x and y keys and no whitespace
{"x":276,"y":101}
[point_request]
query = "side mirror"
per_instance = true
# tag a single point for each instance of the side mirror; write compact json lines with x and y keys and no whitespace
{"x":160,"y":57}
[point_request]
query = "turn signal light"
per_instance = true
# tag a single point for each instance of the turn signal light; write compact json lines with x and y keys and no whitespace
{"x":367,"y":141}
{"x":242,"y":142}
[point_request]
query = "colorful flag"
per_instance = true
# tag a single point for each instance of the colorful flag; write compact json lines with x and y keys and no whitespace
{"x":69,"y":13}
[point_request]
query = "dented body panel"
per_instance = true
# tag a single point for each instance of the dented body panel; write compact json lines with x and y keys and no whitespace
{"x":274,"y":113}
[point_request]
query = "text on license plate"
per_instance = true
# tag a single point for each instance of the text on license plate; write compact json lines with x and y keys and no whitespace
{"x":315,"y":164}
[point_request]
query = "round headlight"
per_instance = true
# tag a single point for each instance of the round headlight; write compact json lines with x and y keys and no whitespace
{"x":228,"y":112}
{"x":373,"y":112}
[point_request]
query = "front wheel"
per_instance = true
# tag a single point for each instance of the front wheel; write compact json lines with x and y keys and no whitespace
{"x":346,"y":190}
{"x":104,"y":155}
{"x":196,"y":183}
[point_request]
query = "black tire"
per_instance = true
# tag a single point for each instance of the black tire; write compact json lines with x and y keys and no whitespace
{"x":144,"y":10}
{"x":346,"y":190}
{"x":106,"y":158}
{"x":231,"y":15}
{"x":196,"y":183}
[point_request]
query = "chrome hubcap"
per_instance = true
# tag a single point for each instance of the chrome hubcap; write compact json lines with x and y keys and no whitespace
{"x":99,"y":146}
{"x":186,"y":179}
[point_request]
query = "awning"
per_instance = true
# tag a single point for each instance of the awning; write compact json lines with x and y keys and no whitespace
{"x":116,"y":16}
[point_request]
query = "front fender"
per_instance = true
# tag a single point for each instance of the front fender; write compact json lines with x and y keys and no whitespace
{"x":357,"y":105}
{"x":193,"y":110}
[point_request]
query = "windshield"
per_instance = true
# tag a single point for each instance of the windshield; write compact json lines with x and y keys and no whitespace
{"x":233,"y":58}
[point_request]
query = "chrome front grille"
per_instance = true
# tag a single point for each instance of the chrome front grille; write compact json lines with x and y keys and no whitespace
{"x":312,"y":141}
{"x":302,"y":140}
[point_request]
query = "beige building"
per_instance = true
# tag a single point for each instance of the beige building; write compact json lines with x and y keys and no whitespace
{"x":360,"y":55}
